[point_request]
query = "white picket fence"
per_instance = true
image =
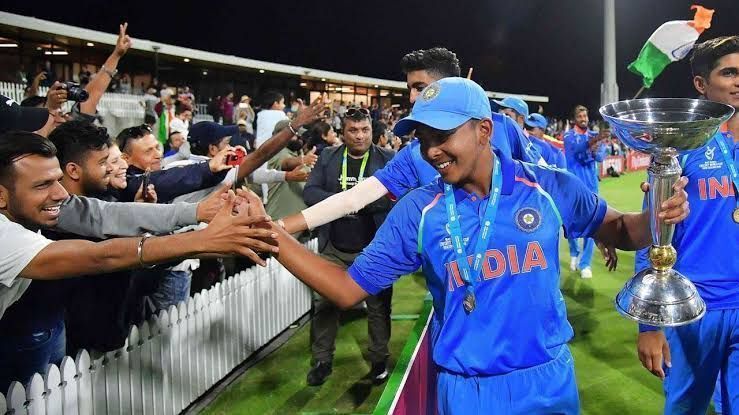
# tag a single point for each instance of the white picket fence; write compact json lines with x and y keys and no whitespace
{"x":119,"y":111}
{"x":171,"y":360}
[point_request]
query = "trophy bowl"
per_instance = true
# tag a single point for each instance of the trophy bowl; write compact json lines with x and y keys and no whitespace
{"x":664,"y":128}
{"x":651,"y":124}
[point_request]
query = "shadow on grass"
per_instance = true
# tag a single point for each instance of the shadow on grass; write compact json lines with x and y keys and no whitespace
{"x":587,"y":319}
{"x":357,"y":393}
{"x":575,"y":289}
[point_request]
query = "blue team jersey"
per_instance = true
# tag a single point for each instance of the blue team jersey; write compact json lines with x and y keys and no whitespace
{"x":551,"y":155}
{"x":520,"y":320}
{"x":707,"y":240}
{"x":580,"y":160}
{"x":408,"y":170}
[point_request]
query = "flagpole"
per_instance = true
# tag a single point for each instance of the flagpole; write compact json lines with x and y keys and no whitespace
{"x":639,"y":92}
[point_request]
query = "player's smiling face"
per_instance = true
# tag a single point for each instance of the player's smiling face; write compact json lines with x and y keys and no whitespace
{"x":455,"y":153}
{"x":581,"y":119}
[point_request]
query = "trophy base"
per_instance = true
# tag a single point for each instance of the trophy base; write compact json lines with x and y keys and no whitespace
{"x":664,"y":299}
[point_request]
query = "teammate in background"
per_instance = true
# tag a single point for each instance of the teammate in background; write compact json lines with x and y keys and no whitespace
{"x":689,"y":358}
{"x":583,"y":149}
{"x":535,"y":126}
{"x":408,"y":170}
{"x":516,"y":108}
{"x":500,"y":320}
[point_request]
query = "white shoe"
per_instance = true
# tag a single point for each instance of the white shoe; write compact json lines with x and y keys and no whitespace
{"x":586,"y":273}
{"x":573,"y":264}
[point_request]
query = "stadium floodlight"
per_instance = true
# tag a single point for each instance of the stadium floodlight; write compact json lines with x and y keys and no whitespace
{"x":664,"y":128}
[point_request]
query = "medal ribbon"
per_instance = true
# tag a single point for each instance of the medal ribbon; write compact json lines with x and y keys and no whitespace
{"x":731,"y":163}
{"x":455,"y":230}
{"x":361,"y":168}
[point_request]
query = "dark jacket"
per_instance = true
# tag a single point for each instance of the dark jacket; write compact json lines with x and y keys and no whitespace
{"x":172,"y":182}
{"x":322,"y":183}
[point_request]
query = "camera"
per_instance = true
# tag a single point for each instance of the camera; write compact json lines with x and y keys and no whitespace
{"x":75,"y":92}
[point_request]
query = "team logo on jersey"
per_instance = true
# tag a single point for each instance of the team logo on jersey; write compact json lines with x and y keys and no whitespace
{"x":528,"y":219}
{"x":710,"y":163}
{"x":710,"y":152}
{"x":431,"y":92}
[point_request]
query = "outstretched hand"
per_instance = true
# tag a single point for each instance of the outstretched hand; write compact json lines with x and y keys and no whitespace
{"x":308,"y":114}
{"x":238,"y":234}
{"x":209,"y":207}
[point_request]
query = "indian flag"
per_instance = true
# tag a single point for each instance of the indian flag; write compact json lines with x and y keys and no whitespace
{"x":669,"y":43}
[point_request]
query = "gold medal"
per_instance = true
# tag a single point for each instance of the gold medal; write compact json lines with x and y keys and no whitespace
{"x":469,"y":302}
{"x":736,"y":215}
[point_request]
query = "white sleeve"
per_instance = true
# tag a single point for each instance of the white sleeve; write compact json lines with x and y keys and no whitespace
{"x":263,"y":175}
{"x":344,"y":203}
{"x":23,"y":245}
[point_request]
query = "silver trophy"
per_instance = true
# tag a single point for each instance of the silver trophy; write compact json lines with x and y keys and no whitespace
{"x":665,"y":128}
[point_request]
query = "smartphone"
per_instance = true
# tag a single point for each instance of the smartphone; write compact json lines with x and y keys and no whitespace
{"x":236,"y":159}
{"x":145,"y":185}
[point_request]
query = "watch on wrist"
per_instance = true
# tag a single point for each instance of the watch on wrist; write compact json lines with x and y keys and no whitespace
{"x":110,"y":73}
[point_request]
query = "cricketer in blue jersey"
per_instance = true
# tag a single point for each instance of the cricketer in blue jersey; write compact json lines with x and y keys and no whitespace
{"x":408,"y":170}
{"x":505,"y":326}
{"x":583,"y":149}
{"x":535,"y":126}
{"x":689,"y":358}
{"x":700,"y":350}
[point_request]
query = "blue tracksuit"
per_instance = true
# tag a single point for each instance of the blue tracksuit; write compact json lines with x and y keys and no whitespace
{"x":581,"y":162}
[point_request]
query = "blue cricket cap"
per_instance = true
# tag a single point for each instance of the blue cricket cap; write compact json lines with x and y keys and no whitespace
{"x":516,"y":104}
{"x":537,"y":120}
{"x":445,"y":105}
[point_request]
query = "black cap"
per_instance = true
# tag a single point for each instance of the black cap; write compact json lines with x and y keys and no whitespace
{"x":208,"y":132}
{"x":15,"y":117}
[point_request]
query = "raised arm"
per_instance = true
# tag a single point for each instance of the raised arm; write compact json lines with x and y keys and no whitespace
{"x":99,"y":84}
{"x":278,"y":141}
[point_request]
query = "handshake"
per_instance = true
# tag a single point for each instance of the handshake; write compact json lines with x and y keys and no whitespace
{"x":237,"y":225}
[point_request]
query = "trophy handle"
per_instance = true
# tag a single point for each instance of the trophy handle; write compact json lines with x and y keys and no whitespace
{"x":664,"y":171}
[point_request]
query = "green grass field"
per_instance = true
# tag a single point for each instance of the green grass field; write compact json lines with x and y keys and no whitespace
{"x":610,"y":377}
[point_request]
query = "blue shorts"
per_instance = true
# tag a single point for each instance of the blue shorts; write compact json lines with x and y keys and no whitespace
{"x":549,"y":388}
{"x":699,"y":352}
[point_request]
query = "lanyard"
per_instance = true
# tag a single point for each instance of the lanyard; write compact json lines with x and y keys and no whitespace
{"x":361,"y":168}
{"x":731,"y":162}
{"x":455,"y":231}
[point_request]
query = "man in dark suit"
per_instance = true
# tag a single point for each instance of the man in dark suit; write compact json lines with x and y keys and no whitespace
{"x":339,"y":169}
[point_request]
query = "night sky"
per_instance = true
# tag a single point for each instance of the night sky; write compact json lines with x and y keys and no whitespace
{"x":535,"y":47}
